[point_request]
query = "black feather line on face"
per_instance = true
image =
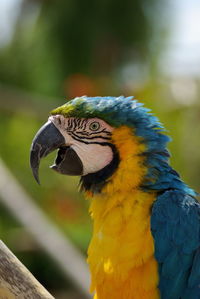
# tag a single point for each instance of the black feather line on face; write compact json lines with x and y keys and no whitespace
{"x":85,"y":133}
{"x":94,"y":182}
{"x":88,"y":137}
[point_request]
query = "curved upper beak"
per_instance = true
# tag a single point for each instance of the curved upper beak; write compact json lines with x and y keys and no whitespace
{"x":47,"y":139}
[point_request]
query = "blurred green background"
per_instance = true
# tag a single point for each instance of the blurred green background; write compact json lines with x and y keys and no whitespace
{"x":53,"y":50}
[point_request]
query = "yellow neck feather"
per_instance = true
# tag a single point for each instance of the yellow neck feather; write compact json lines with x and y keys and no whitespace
{"x":121,"y":251}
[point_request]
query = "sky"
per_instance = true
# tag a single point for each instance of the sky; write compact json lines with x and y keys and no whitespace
{"x":182,"y":52}
{"x":9,"y":10}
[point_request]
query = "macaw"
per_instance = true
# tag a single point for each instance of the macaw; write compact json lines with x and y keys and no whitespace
{"x":146,"y":220}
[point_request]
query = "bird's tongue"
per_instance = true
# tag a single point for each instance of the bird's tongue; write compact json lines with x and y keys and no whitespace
{"x":68,"y":162}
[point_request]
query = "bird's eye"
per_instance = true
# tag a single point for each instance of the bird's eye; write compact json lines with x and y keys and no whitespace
{"x":94,"y":126}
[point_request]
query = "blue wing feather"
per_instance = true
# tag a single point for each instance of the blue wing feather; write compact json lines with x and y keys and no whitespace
{"x":195,"y":273}
{"x":175,"y":225}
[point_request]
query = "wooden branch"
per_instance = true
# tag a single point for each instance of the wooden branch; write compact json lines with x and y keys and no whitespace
{"x":16,"y":281}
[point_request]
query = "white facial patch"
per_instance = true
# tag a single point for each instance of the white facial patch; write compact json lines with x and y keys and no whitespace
{"x":93,"y":156}
{"x":89,"y":138}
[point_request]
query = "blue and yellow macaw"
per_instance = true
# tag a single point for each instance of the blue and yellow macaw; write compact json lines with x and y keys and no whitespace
{"x":146,"y":236}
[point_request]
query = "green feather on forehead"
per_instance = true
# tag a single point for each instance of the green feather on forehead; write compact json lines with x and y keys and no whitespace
{"x":84,"y":107}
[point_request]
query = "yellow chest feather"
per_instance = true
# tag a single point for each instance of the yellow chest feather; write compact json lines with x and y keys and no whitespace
{"x":121,"y":252}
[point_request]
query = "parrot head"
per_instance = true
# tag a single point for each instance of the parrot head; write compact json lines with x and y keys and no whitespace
{"x":92,"y":134}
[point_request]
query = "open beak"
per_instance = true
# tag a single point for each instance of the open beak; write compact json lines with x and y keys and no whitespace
{"x":48,"y":139}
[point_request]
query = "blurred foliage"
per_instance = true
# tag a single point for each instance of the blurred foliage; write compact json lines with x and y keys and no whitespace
{"x":70,"y":48}
{"x":88,"y":38}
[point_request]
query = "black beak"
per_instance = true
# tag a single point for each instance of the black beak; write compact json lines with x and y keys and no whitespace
{"x":48,"y":139}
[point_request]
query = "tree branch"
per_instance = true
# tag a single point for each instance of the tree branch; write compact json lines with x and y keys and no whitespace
{"x":16,"y":281}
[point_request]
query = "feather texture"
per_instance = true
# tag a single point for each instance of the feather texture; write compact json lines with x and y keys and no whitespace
{"x":175,"y":224}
